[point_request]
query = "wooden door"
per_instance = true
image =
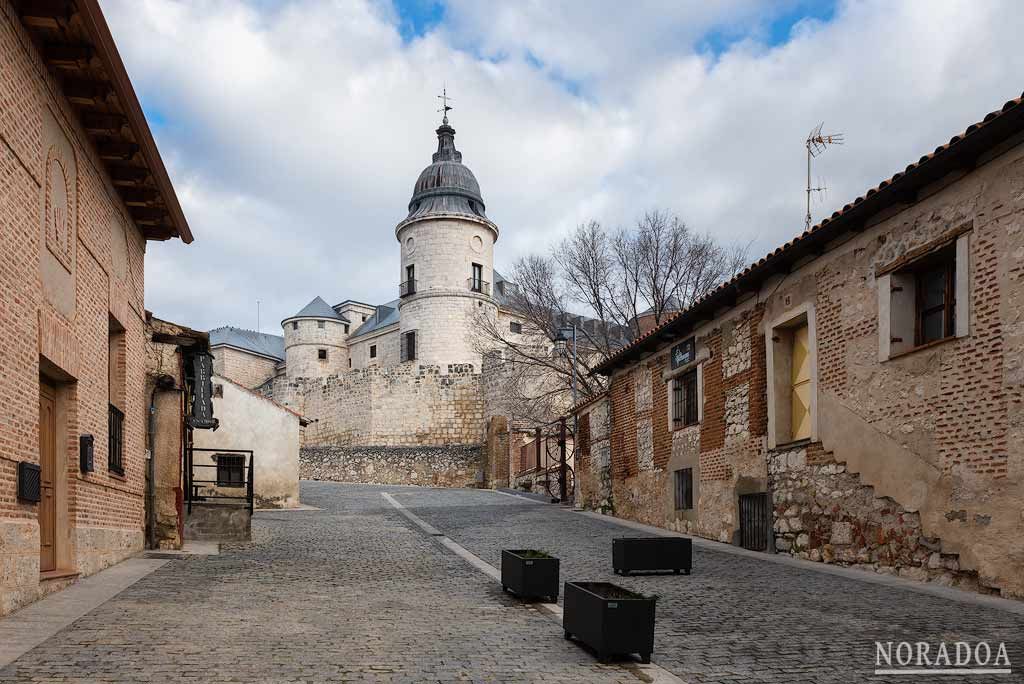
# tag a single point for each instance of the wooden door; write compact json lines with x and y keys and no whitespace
{"x":48,"y":475}
{"x":801,"y":391}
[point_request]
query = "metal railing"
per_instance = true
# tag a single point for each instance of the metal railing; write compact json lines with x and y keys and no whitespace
{"x":481,"y":286}
{"x":199,"y":489}
{"x":406,"y":288}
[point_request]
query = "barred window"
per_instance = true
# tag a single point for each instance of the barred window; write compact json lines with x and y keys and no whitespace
{"x":684,"y":489}
{"x":230,"y":470}
{"x":115,"y":443}
{"x":684,"y":400}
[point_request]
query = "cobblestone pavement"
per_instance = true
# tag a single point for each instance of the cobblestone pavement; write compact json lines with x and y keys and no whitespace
{"x":736,"y":618}
{"x":351,"y":593}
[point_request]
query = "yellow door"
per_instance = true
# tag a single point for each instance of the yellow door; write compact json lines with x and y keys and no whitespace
{"x":801,"y":402}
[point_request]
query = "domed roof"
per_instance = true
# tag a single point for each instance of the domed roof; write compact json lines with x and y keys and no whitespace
{"x":446,"y":186}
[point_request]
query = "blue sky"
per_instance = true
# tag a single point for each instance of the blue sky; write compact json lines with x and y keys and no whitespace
{"x":294,"y":129}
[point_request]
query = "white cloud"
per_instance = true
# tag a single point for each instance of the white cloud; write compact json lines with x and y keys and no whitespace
{"x":295,"y":131}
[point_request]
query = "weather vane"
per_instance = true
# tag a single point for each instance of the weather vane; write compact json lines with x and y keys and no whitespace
{"x":445,"y":107}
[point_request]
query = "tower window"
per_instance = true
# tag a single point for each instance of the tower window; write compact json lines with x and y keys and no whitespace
{"x":373,"y":351}
{"x":295,"y":325}
{"x":346,"y":328}
{"x":477,"y":282}
{"x":409,"y":346}
{"x":515,"y":326}
{"x":320,"y":324}
{"x":321,"y":354}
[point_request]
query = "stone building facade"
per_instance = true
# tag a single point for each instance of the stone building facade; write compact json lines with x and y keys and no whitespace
{"x":82,"y":188}
{"x":855,"y":397}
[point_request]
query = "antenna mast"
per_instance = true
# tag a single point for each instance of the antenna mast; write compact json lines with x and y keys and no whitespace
{"x":816,"y":143}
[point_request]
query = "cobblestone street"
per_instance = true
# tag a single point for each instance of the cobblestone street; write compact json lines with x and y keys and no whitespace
{"x":356,"y":592}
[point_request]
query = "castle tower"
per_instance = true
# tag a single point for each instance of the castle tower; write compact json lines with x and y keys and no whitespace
{"x":315,"y":341}
{"x":447,"y":267}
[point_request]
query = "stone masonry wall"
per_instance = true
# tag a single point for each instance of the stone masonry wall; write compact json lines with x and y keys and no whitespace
{"x":439,"y":466}
{"x":248,"y":370}
{"x":825,"y":513}
{"x":405,"y":405}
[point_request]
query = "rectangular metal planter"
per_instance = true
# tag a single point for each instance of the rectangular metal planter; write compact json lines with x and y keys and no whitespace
{"x":609,"y":619}
{"x":529,"y":574}
{"x":652,"y":553}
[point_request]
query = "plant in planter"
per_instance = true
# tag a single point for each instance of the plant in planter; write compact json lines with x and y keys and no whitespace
{"x":609,"y":619}
{"x":529,"y":573}
{"x":652,"y":553}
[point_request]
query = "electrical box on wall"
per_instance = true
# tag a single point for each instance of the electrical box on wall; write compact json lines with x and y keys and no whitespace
{"x":29,"y":482}
{"x":85,"y":443}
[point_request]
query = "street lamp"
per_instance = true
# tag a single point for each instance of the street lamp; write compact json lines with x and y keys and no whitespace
{"x":561,"y":339}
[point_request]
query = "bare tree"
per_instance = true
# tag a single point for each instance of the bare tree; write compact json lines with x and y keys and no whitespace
{"x":657,"y":267}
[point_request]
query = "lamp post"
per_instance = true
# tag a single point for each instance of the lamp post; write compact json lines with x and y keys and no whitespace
{"x":563,"y":337}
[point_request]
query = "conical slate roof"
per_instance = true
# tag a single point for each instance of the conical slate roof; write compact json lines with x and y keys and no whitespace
{"x":447,"y":186}
{"x":318,"y":308}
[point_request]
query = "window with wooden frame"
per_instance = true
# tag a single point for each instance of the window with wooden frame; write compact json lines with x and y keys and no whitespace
{"x":684,"y":400}
{"x":684,"y":489}
{"x":935,"y":297}
{"x":924,"y":295}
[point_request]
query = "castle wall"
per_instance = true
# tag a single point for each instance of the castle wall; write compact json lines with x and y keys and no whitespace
{"x":304,"y":339}
{"x":387,"y":344}
{"x":404,"y":405}
{"x":444,"y":307}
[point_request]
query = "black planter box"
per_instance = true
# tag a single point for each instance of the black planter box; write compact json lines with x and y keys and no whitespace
{"x":609,"y":619}
{"x":652,"y":553}
{"x":529,"y":573}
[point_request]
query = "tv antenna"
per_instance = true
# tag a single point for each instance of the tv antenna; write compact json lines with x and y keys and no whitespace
{"x":816,"y":143}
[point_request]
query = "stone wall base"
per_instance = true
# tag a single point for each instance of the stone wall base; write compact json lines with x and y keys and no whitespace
{"x":218,"y":522}
{"x":438,"y":466}
{"x":96,"y":548}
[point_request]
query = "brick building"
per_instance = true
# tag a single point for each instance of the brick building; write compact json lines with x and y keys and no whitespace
{"x":856,"y":396}
{"x":82,"y":188}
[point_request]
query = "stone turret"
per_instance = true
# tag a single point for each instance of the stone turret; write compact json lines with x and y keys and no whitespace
{"x":447,"y":267}
{"x":316,"y":341}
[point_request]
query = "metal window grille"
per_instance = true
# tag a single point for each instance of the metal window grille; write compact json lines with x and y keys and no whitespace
{"x":684,"y":400}
{"x":684,"y":489}
{"x":755,"y":521}
{"x":230,"y":470}
{"x":115,"y":443}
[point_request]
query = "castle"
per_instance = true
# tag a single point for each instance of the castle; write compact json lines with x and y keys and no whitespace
{"x":394,"y":392}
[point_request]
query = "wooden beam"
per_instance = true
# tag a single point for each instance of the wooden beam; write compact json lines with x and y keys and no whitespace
{"x":86,"y":92}
{"x":148,"y":214}
{"x":102,"y":122}
{"x":66,"y":56}
{"x":116,"y":149}
{"x":44,"y":13}
{"x":121,"y":174}
{"x":138,"y":196}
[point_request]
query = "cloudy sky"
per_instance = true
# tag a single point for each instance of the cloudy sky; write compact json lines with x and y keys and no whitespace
{"x":295,"y":129}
